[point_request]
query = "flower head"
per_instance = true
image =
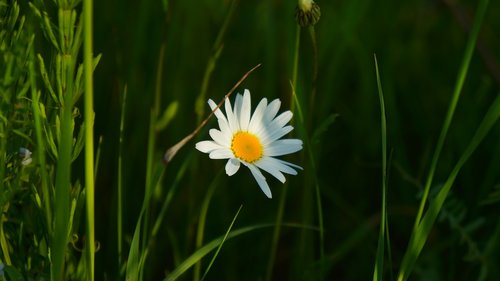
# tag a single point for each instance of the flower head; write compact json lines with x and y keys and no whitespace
{"x":307,"y":13}
{"x":252,"y":140}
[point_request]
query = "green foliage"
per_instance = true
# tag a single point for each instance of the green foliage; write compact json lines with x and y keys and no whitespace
{"x":162,"y":60}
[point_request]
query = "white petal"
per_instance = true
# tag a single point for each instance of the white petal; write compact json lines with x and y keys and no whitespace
{"x":282,"y":166}
{"x":269,"y":166}
{"x":221,"y":153}
{"x":282,"y":119}
{"x":245,"y":109}
{"x":225,"y":130}
{"x":276,"y":124}
{"x":218,"y":113}
{"x":269,"y":136}
{"x":283,"y":147}
{"x":258,"y":115}
{"x":231,"y":118}
{"x":219,"y":137}
{"x":232,"y":166}
{"x":272,"y":110}
{"x":261,"y":180}
{"x":237,"y":108}
{"x":287,"y":166}
{"x":207,"y":146}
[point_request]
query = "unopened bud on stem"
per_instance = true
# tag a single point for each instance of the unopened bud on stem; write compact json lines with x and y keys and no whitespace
{"x":307,"y":13}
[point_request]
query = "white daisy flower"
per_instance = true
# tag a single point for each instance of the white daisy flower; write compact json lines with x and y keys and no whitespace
{"x":252,"y":140}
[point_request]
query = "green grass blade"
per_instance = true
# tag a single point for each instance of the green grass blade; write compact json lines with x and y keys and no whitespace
{"x":134,"y":257}
{"x":221,"y":243}
{"x":308,"y":147}
{"x":89,"y":134}
{"x":212,"y":61}
{"x":379,"y":262}
{"x":170,"y":195}
{"x":419,"y":237}
{"x":276,"y":232}
{"x":462,"y":73}
{"x":203,"y":251}
{"x":119,"y":210}
{"x":35,"y":95}
{"x":202,"y":221}
{"x":282,"y":203}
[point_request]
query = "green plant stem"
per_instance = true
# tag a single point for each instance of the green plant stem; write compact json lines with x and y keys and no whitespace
{"x":119,"y":210}
{"x":282,"y":203}
{"x":471,"y":43}
{"x":89,"y":134}
{"x":149,"y":183}
{"x":312,"y":98}
{"x":65,"y":69}
{"x":62,"y":190}
{"x":295,"y":68}
{"x":212,"y":60}
{"x":35,"y":96}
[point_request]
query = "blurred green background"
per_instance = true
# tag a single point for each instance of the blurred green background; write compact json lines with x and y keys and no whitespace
{"x":419,"y":46}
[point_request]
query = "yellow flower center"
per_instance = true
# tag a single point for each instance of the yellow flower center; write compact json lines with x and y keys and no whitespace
{"x":247,"y":147}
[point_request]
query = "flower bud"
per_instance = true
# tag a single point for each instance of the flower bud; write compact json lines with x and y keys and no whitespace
{"x":307,"y":13}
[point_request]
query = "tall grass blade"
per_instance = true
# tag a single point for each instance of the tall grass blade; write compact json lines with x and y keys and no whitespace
{"x":203,"y":219}
{"x":35,"y":96}
{"x":379,"y":261}
{"x":462,"y":73}
{"x":419,"y":237}
{"x":212,"y":61}
{"x":89,"y":133}
{"x":134,"y":265}
{"x":119,"y":211}
{"x":221,"y":243}
{"x":203,"y":251}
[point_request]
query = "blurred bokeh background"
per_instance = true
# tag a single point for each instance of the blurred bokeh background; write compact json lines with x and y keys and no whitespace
{"x":419,"y":47}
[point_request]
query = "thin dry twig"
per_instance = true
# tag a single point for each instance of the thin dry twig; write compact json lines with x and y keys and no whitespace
{"x":170,"y":153}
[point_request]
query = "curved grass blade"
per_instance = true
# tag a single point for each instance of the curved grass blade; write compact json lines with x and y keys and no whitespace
{"x":379,"y":262}
{"x":419,"y":237}
{"x":471,"y":43}
{"x":221,"y":243}
{"x":203,"y":251}
{"x":202,"y":221}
